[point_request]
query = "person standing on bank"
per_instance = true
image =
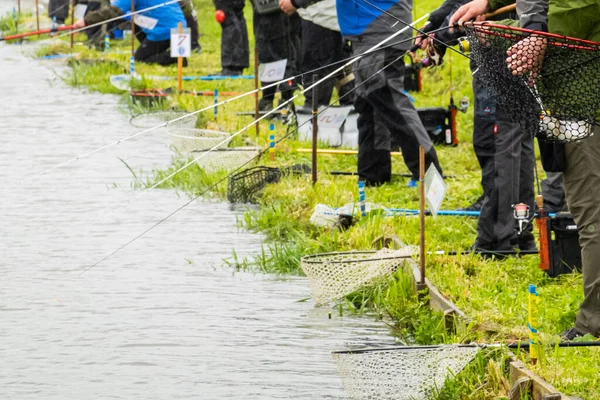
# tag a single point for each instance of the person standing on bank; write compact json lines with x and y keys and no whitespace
{"x":157,"y":25}
{"x":383,"y":94}
{"x":278,"y":38}
{"x":575,"y":18}
{"x":235,"y":53}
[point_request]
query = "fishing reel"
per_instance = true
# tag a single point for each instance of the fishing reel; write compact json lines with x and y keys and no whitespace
{"x":433,"y":56}
{"x":522,"y":215}
{"x":463,"y":104}
{"x":464,"y":46}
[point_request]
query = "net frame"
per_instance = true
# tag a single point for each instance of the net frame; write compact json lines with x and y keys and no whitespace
{"x":187,"y":140}
{"x":245,"y":185}
{"x":332,"y":276}
{"x":154,"y":118}
{"x":560,"y":102}
{"x":400,"y":372}
{"x":227,"y":159}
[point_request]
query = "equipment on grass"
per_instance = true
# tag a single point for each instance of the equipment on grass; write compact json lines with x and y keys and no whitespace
{"x":187,"y":140}
{"x":559,"y":99}
{"x":560,"y":252}
{"x":332,"y":276}
{"x":227,"y":159}
{"x":154,"y":118}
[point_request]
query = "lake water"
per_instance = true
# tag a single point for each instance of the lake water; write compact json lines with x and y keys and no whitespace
{"x":163,"y":318}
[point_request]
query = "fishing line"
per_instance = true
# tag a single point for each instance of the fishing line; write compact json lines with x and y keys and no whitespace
{"x":211,"y":106}
{"x":261,"y":118}
{"x":424,"y":34}
{"x":233,"y":172}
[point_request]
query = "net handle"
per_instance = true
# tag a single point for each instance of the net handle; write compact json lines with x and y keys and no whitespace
{"x":405,"y":348}
{"x":530,"y":31}
{"x":309,"y":259}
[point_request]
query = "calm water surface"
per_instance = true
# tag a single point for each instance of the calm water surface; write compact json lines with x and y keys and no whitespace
{"x":161,"y":319}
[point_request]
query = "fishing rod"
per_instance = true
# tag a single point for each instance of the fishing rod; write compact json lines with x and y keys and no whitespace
{"x":256,"y":121}
{"x":211,"y":106}
{"x":40,"y":32}
{"x":231,"y":173}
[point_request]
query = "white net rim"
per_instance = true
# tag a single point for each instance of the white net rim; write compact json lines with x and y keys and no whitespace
{"x":206,"y":134}
{"x":344,"y":257}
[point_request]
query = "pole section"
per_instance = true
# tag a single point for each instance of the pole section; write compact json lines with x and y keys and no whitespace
{"x":315,"y":129}
{"x":422,"y":213}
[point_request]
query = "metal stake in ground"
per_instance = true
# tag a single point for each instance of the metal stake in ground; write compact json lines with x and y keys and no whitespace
{"x":315,"y":128}
{"x":72,"y":20}
{"x":421,"y":284}
{"x":256,"y":106}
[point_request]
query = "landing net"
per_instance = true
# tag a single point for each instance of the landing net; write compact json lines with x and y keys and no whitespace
{"x":155,"y":118}
{"x":332,"y":276}
{"x":400,"y":373}
{"x":557,"y":99}
{"x":186,"y":140}
{"x":227,"y":159}
{"x":245,"y":186}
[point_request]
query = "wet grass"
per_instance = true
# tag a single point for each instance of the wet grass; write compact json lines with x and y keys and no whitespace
{"x":492,"y":292}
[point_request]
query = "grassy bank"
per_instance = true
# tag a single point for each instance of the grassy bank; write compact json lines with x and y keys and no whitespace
{"x":492,"y":292}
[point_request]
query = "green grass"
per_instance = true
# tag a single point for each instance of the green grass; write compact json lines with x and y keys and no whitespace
{"x":492,"y":292}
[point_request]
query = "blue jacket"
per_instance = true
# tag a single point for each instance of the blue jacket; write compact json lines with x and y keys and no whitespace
{"x":168,"y":17}
{"x":368,"y":24}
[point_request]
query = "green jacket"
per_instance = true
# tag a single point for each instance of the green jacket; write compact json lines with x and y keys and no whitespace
{"x":577,"y":18}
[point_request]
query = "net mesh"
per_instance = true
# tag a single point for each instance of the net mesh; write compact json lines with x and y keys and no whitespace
{"x":551,"y":85}
{"x":244,"y":186}
{"x":332,"y":276}
{"x":186,"y":140}
{"x":400,"y":373}
{"x":152,"y":119}
{"x":227,"y":159}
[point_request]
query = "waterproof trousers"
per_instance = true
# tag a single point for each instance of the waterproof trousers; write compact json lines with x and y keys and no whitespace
{"x":278,"y":37}
{"x":59,"y":9}
{"x":513,"y":183}
{"x":235,"y":52}
{"x":380,"y":98}
{"x":322,"y":47}
{"x":191,"y":18}
{"x":582,"y":183}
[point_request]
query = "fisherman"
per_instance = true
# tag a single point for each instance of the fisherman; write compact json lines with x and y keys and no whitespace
{"x":59,"y":9}
{"x":322,"y":49}
{"x":575,"y":18}
{"x":278,"y":38}
{"x":504,"y":151}
{"x":235,"y":53}
{"x":156,"y":25}
{"x":380,"y":95}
